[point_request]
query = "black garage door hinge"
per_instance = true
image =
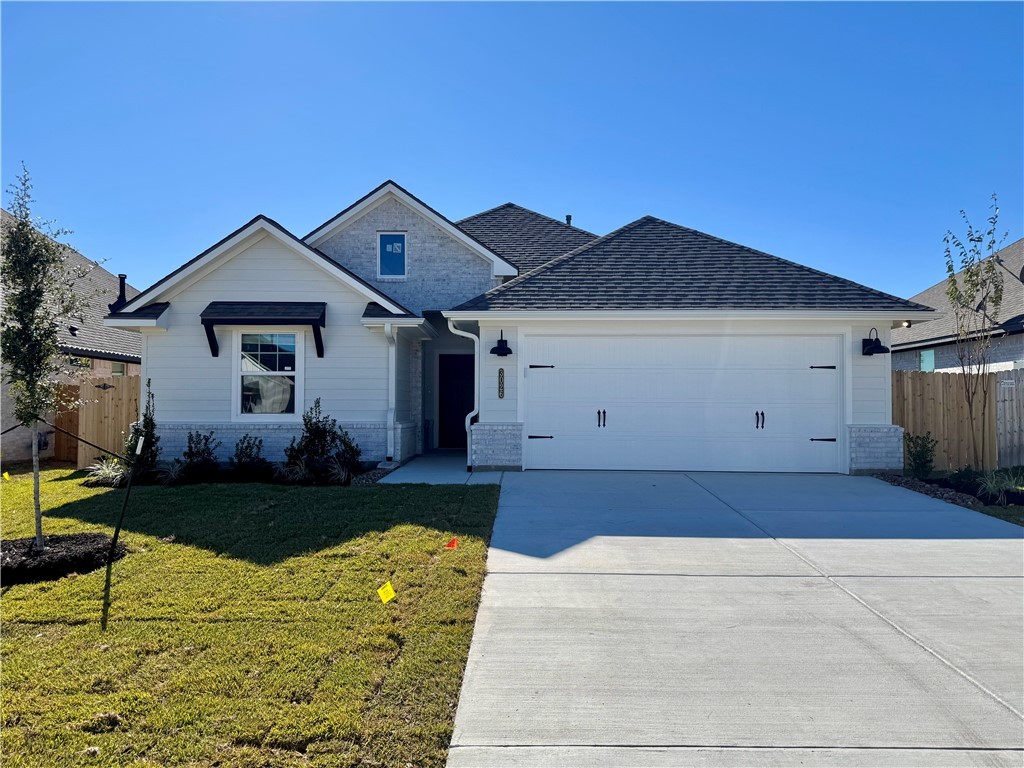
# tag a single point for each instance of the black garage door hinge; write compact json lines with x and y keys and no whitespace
{"x":823,"y":439}
{"x":540,"y":437}
{"x":828,"y":367}
{"x":542,"y":366}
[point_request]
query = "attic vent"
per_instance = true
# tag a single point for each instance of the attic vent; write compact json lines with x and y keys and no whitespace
{"x":568,"y":219}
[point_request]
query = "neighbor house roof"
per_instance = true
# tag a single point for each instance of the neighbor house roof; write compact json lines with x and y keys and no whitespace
{"x":943,"y":329}
{"x":97,"y":288}
{"x":652,"y":264}
{"x":523,"y":237}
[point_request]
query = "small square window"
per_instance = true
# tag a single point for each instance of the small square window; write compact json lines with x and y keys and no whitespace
{"x":391,"y":254}
{"x":118,"y":369}
{"x":928,"y":360}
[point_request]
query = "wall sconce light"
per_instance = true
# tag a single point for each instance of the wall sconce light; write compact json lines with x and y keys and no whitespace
{"x":907,"y":323}
{"x":502,"y":348}
{"x":873,"y":346}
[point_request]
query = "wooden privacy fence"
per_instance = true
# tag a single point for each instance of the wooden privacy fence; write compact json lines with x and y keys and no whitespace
{"x":108,"y":407}
{"x":934,"y":402}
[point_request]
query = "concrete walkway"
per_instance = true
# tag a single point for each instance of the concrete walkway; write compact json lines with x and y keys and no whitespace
{"x":440,"y":468}
{"x":669,"y":619}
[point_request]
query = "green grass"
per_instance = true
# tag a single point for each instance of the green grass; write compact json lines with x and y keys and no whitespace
{"x":245,"y":628}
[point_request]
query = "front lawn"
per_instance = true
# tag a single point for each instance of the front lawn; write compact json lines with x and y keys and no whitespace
{"x":245,"y":628}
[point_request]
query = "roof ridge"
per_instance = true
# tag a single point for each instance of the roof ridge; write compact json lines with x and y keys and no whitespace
{"x":803,"y":267}
{"x":530,"y":211}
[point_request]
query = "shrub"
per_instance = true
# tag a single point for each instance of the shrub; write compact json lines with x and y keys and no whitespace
{"x":248,"y":461}
{"x":170,"y":472}
{"x":995,"y":485}
{"x":146,"y":461}
{"x":321,"y":449}
{"x":200,"y":457}
{"x":964,"y":480}
{"x":108,"y":472}
{"x":920,"y":455}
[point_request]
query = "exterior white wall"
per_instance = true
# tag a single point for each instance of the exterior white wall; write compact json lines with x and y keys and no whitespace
{"x":441,"y":272}
{"x":866,"y":392}
{"x":192,"y":387}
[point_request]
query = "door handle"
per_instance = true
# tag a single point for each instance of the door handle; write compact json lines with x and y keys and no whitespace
{"x":604,"y":418}
{"x":599,"y":417}
{"x":762,"y":419}
{"x":758,"y":419}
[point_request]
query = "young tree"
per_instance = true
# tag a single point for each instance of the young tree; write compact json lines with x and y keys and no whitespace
{"x":975,"y":291}
{"x":38,"y":279}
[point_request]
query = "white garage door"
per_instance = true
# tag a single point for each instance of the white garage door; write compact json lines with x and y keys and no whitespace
{"x":731,"y":403}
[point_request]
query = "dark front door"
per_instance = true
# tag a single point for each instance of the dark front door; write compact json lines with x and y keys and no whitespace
{"x":455,"y":400}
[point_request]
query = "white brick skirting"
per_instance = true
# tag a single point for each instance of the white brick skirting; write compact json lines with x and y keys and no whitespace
{"x":406,"y":441}
{"x":371,"y":438}
{"x":497,"y":446}
{"x":876,"y":447}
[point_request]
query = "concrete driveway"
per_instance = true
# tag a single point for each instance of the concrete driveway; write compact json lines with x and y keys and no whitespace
{"x":704,"y":619}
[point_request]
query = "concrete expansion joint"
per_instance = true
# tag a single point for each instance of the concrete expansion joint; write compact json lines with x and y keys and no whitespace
{"x":919,"y":643}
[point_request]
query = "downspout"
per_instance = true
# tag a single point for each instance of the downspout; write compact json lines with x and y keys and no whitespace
{"x":389,"y":334}
{"x":476,"y":390}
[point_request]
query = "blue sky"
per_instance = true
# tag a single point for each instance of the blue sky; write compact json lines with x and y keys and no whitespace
{"x":843,"y":136}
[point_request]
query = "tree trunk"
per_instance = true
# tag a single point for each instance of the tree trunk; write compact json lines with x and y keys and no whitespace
{"x":40,"y":542}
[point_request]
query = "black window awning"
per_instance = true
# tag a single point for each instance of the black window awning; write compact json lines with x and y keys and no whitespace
{"x":311,"y":313}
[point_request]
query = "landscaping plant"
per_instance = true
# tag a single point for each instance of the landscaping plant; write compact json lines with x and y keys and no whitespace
{"x":146,"y":461}
{"x":200,"y":457}
{"x":39,"y":298}
{"x":974,"y":289}
{"x":920,"y":455}
{"x":995,"y":485}
{"x":321,"y":449}
{"x":247,"y":461}
{"x":107,"y":472}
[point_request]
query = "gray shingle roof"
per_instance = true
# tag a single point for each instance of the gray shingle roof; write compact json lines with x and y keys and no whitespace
{"x":99,"y":288}
{"x":524,"y":238}
{"x":943,"y":330}
{"x":656,"y":265}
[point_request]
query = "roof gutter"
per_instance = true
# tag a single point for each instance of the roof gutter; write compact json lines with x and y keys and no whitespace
{"x":897,"y":317}
{"x":476,"y":390}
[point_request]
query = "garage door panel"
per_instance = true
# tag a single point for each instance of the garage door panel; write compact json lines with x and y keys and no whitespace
{"x":683,"y":403}
{"x":602,"y":388}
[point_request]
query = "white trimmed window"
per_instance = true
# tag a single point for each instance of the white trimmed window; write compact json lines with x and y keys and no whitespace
{"x":391,"y":254}
{"x":118,"y":369}
{"x":268,"y":375}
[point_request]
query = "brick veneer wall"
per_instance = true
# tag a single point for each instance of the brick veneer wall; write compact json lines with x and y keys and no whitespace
{"x":497,"y":446}
{"x":876,"y":447}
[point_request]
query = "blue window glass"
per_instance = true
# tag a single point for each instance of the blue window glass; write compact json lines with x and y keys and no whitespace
{"x":928,"y":360}
{"x":392,"y":255}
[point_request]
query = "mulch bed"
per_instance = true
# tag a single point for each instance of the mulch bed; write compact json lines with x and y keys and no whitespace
{"x":371,"y":477}
{"x":935,"y":491}
{"x":64,"y":554}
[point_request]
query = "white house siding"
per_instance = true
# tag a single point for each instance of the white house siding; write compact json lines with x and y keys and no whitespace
{"x":870,"y":441}
{"x":193,"y":389}
{"x":441,"y":272}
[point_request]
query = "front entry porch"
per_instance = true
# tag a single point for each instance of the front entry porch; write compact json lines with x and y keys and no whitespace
{"x":441,"y":468}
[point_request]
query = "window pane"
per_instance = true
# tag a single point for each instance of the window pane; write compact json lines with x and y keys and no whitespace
{"x":268,"y":352}
{"x":928,"y":360}
{"x":392,"y":254}
{"x":268,"y":394}
{"x":117,"y":369}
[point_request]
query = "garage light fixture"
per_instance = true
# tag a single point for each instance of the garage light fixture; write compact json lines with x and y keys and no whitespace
{"x":873,"y":346}
{"x":502,"y":348}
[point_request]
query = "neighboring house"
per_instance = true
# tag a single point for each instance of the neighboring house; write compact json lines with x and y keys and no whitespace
{"x":931,"y":346}
{"x":525,"y":341}
{"x":92,"y":348}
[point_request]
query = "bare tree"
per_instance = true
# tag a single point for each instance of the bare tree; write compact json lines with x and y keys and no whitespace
{"x":975,"y":291}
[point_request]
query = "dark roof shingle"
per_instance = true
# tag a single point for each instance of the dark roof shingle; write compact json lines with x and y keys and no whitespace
{"x":98,"y":288}
{"x":943,"y":329}
{"x":522,"y":237}
{"x":652,"y":264}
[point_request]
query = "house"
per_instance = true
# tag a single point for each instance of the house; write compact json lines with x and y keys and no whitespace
{"x":525,"y":341}
{"x":93,"y":349}
{"x":931,"y":346}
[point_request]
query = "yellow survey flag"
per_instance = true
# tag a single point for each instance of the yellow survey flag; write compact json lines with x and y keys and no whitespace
{"x":387,"y":592}
{"x":7,"y":476}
